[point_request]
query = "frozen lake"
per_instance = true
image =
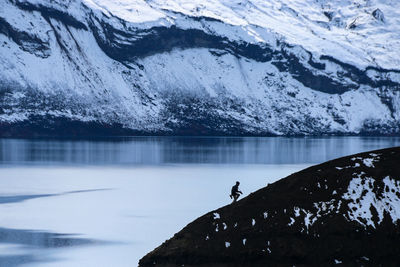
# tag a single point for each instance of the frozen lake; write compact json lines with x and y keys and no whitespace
{"x":109,"y":202}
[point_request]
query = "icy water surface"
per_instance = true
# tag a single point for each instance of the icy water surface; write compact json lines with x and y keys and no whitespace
{"x":108,"y":202}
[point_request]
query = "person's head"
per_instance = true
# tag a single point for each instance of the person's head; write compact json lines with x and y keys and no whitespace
{"x":237,"y":183}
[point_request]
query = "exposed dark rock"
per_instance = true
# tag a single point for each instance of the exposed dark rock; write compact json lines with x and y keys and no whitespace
{"x":48,"y":12}
{"x":361,"y":77}
{"x":353,"y":25}
{"x":51,"y":126}
{"x":378,"y":14}
{"x":342,"y":211}
{"x":329,"y":14}
{"x":26,"y":41}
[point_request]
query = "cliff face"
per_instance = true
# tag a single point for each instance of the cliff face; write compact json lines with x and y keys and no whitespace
{"x":199,"y":67}
{"x":342,"y":211}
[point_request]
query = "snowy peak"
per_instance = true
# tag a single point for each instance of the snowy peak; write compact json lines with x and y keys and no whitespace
{"x":336,"y":212}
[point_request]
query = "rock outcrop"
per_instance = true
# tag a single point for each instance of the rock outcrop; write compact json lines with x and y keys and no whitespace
{"x":345,"y":211}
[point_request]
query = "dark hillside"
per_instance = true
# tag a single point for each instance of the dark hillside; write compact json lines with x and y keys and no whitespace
{"x":343,"y":211}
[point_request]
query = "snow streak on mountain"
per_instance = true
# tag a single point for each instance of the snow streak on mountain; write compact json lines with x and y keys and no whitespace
{"x":227,"y":67}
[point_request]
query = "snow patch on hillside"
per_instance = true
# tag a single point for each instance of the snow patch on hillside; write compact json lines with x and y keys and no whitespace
{"x":363,"y":197}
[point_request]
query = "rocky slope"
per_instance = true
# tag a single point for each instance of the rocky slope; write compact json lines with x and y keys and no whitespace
{"x":343,"y":211}
{"x":199,"y":67}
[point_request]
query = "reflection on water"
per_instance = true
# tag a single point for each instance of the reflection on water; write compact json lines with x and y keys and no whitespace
{"x":19,"y":198}
{"x":40,"y":239}
{"x":33,"y":240}
{"x":17,"y":260}
{"x":172,"y":150}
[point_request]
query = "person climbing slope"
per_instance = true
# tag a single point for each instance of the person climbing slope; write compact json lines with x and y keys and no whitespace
{"x":235,"y":192}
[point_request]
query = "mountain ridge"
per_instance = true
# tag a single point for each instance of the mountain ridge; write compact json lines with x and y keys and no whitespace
{"x":171,"y":70}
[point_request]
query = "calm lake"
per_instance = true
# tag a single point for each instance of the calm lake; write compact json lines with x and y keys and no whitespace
{"x":108,"y":202}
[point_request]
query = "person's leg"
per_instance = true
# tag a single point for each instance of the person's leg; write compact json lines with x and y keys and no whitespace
{"x":235,"y":197}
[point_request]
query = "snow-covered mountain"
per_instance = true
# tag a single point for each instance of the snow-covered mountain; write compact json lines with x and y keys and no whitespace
{"x":199,"y":67}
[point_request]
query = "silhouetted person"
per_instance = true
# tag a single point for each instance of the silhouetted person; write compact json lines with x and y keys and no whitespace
{"x":235,"y":192}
